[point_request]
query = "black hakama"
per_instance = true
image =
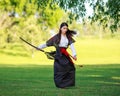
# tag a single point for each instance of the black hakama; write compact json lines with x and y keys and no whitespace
{"x":64,"y":69}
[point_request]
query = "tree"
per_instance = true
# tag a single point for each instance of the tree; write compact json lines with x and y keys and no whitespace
{"x":107,"y":13}
{"x":75,"y":8}
{"x":36,"y":20}
{"x":48,"y":11}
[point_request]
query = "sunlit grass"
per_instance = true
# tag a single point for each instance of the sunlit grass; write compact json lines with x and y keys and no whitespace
{"x":98,"y":51}
{"x":89,"y":51}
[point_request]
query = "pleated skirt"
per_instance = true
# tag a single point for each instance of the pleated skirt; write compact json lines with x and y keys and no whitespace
{"x":64,"y":72}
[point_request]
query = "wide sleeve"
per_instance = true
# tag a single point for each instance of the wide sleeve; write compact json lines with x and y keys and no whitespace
{"x":42,"y":46}
{"x":71,"y":40}
{"x":73,"y":49}
{"x":53,"y":41}
{"x":50,"y":42}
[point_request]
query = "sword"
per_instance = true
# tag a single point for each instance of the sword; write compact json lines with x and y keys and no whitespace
{"x":50,"y":55}
{"x":31,"y":45}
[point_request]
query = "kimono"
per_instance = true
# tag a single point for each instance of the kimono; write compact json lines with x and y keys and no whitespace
{"x":64,"y":69}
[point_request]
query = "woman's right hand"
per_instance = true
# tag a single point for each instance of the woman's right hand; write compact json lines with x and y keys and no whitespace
{"x":37,"y":48}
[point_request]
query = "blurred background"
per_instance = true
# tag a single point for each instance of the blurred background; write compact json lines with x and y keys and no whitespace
{"x":96,"y":22}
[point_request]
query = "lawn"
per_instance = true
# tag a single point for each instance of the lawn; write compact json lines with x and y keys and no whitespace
{"x":22,"y":74}
{"x":90,"y":51}
{"x":37,"y":80}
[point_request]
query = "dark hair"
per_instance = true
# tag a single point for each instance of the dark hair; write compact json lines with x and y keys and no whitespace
{"x":69,"y":32}
{"x":63,"y":24}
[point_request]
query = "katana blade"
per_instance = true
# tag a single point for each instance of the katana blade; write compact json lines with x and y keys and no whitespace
{"x":31,"y":44}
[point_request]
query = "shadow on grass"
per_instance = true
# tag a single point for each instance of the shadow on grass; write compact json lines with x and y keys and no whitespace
{"x":37,"y":80}
{"x":107,"y":74}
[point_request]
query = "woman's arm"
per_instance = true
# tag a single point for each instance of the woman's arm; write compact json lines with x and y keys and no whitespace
{"x":42,"y":46}
{"x":73,"y":51}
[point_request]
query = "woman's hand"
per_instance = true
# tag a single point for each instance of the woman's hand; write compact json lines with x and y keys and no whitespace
{"x":75,"y":58}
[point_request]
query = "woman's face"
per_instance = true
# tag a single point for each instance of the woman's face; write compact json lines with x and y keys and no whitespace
{"x":64,"y":29}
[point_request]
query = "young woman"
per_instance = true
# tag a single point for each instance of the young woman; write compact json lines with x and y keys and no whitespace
{"x":64,"y":69}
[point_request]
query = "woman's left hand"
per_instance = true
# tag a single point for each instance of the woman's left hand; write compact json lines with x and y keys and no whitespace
{"x":75,"y":58}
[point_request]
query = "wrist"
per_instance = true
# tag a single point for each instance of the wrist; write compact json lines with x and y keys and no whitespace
{"x":74,"y":55}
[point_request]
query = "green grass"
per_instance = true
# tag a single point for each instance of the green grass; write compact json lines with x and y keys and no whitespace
{"x":37,"y":80}
{"x":89,"y":51}
{"x":23,"y":75}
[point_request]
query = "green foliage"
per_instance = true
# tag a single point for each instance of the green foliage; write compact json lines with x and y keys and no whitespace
{"x":75,"y":7}
{"x":108,"y":13}
{"x":105,"y":12}
{"x":27,"y":19}
{"x":23,"y":5}
{"x":33,"y":19}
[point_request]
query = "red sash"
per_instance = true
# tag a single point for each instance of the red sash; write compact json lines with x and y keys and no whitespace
{"x":64,"y":51}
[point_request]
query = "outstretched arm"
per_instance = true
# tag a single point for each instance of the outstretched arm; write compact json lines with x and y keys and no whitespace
{"x":42,"y":46}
